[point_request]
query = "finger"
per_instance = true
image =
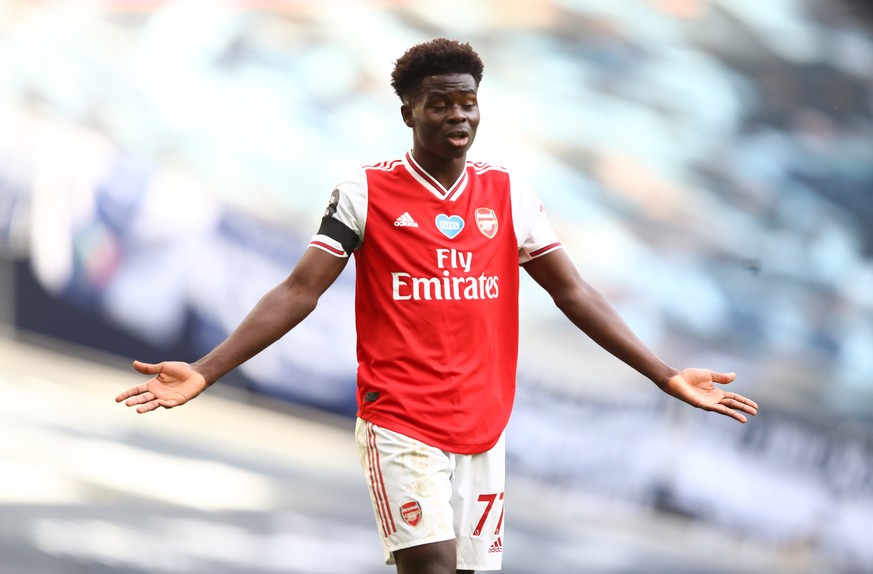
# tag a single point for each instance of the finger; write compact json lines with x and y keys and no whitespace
{"x":157,"y":403}
{"x":140,"y":399}
{"x":742,"y":399}
{"x":147,"y":407}
{"x":741,"y":407}
{"x":737,"y":416}
{"x":728,"y":412}
{"x":723,"y":378}
{"x":721,"y":407}
{"x":147,"y":368}
{"x":736,"y":403}
{"x":132,"y":391}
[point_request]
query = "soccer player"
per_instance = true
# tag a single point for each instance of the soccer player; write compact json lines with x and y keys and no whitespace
{"x":438,"y":242}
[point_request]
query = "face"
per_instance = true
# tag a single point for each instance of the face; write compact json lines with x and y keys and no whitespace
{"x":443,"y":116}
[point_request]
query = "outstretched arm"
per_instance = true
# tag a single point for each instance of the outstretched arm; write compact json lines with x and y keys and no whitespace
{"x":278,"y":311}
{"x":592,"y":313}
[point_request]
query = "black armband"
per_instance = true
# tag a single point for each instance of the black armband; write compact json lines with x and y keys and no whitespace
{"x":339,"y":232}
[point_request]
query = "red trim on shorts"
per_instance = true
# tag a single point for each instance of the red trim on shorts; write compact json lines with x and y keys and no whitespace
{"x":380,"y":495}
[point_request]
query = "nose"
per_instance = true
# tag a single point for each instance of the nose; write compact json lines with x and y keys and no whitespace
{"x":457,"y":114}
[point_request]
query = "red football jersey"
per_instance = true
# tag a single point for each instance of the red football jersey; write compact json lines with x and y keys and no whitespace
{"x":436,"y":295}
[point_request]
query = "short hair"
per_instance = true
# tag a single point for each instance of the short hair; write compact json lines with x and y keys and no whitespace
{"x":433,"y":58}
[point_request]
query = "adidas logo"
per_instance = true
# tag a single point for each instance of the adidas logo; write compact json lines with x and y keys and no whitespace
{"x":497,"y":546}
{"x":405,"y":220}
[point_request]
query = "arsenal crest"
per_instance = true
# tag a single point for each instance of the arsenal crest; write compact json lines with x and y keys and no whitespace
{"x":411,"y":513}
{"x":486,"y":221}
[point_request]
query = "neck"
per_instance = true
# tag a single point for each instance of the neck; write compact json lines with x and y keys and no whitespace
{"x":444,"y":170}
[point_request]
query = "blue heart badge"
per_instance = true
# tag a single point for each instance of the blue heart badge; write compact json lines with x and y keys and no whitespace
{"x":449,"y":226}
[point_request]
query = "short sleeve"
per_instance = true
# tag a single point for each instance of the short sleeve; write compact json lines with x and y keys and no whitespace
{"x":342,"y":226}
{"x":533,"y":232}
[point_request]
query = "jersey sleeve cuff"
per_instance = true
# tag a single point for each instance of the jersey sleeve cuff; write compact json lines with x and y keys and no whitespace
{"x":525,"y":255}
{"x":329,"y":245}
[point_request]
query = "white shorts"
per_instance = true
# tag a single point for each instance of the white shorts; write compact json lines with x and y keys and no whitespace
{"x":422,"y":494}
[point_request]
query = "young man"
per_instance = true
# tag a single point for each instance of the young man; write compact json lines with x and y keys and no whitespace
{"x":437,"y":242}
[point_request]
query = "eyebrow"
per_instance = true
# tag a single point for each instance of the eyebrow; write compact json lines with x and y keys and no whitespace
{"x":438,"y":93}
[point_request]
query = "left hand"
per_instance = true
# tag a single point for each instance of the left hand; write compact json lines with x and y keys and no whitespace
{"x":695,"y":387}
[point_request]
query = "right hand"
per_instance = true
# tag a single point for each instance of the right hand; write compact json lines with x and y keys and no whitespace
{"x":175,"y":383}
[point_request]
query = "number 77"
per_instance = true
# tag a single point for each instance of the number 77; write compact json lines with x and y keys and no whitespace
{"x":489,"y":499}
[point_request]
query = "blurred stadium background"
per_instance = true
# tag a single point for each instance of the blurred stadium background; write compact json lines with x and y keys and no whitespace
{"x":708,"y":164}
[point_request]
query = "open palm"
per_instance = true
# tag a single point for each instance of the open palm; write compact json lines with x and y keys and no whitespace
{"x":697,"y":388}
{"x":175,"y":383}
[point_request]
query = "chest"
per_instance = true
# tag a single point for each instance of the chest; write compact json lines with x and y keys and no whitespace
{"x":473,"y":222}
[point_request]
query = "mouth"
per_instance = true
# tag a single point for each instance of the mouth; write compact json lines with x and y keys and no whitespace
{"x":458,"y":138}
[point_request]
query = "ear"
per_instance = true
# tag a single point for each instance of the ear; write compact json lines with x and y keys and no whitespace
{"x":406,"y":114}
